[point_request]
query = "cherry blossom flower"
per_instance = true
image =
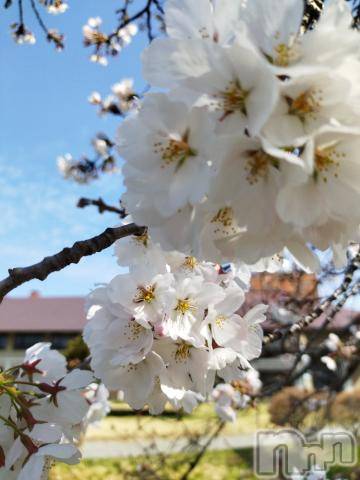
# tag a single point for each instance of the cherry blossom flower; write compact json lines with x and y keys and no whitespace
{"x":161,"y":320}
{"x":175,"y":158}
{"x":41,"y":406}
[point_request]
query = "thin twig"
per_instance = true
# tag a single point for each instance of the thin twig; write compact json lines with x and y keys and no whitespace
{"x":54,"y":263}
{"x":101,"y":205}
{"x":293,"y":375}
{"x":21,"y":13}
{"x":131,"y":19}
{"x":203,"y":450}
{"x":51,"y":35}
{"x":320,"y":309}
{"x":38,"y":18}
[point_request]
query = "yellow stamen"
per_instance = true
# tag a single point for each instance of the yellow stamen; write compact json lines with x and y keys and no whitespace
{"x":190,"y":263}
{"x":145,"y":294}
{"x":175,"y":151}
{"x":241,"y":386}
{"x":220,"y":320}
{"x":306,"y":104}
{"x":135,"y":330}
{"x":183,"y":352}
{"x":184,"y":306}
{"x":224,"y":216}
{"x":326,"y":160}
{"x":234,"y":98}
{"x":257,"y":165}
{"x":142,"y":239}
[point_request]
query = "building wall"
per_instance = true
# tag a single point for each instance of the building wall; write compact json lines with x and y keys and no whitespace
{"x":13,"y":345}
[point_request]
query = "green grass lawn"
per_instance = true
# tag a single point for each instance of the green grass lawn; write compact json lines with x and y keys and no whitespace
{"x":124,"y":425}
{"x":224,"y":465}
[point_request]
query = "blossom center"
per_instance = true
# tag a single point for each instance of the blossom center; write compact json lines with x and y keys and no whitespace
{"x":190,"y":263}
{"x":182,"y":352}
{"x":142,"y":239}
{"x":241,"y":386}
{"x":135,"y":330}
{"x":286,"y":54}
{"x":304,"y":105}
{"x":145,"y":294}
{"x":326,"y":160}
{"x":220,"y":320}
{"x":184,"y":306}
{"x":234,"y":98}
{"x":282,"y":55}
{"x":224,"y":216}
{"x":258,"y":164}
{"x":225,"y":222}
{"x":175,"y":151}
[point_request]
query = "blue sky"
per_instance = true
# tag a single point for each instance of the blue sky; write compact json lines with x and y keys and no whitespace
{"x":45,"y":113}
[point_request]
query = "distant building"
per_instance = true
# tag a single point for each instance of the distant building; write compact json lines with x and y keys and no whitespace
{"x":25,"y":321}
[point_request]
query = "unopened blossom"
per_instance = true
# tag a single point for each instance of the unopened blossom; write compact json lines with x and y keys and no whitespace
{"x":95,"y":98}
{"x":101,"y":146}
{"x":127,"y":33}
{"x":100,"y":59}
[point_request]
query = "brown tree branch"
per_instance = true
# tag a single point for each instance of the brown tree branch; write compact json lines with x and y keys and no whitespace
{"x":320,"y":309}
{"x":67,"y":256}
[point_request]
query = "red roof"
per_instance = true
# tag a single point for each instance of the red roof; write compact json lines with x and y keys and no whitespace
{"x":42,"y":314}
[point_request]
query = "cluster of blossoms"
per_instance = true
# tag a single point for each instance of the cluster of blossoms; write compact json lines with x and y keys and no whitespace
{"x":21,"y":34}
{"x":230,"y":397}
{"x":316,"y":473}
{"x":164,"y":330}
{"x":106,"y":44}
{"x":42,"y":408}
{"x":86,"y":169}
{"x":122,"y":99}
{"x":254,"y":145}
{"x":55,"y":7}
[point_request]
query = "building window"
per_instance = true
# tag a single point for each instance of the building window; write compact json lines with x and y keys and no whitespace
{"x":60,"y":340}
{"x":3,"y":341}
{"x":22,"y":341}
